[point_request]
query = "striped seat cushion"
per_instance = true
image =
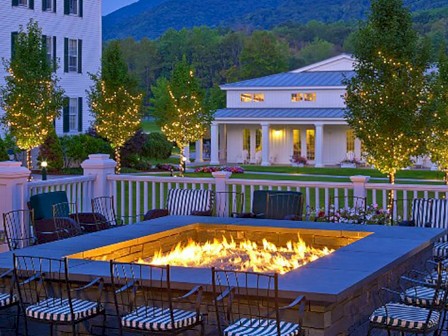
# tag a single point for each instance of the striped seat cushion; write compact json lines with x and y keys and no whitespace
{"x":182,"y":202}
{"x":7,"y":299}
{"x":421,"y":296}
{"x":56,"y":309}
{"x":261,"y":327}
{"x":432,"y":278}
{"x":439,"y":215}
{"x":158,"y":319}
{"x":421,"y":211}
{"x":440,"y":250}
{"x":402,"y":315}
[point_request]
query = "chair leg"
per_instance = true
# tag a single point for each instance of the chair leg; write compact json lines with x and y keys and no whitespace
{"x":74,"y":329}
{"x":370,"y":330}
{"x":17,"y":326}
{"x":103,"y":331}
{"x":202,"y":329}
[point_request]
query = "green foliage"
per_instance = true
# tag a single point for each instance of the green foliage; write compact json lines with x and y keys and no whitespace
{"x":157,"y":147}
{"x":51,"y":151}
{"x":77,"y":148}
{"x":316,"y":51}
{"x":385,"y":97}
{"x":30,"y":96}
{"x":3,"y":151}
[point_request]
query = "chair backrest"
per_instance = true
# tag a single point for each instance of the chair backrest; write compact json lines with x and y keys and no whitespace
{"x":252,"y":298}
{"x":228,"y":202}
{"x":47,"y":278}
{"x":66,"y":222}
{"x":104,"y":210}
{"x":439,"y":215}
{"x":284,"y":206}
{"x":136,"y":285}
{"x":18,"y":229}
{"x":422,"y":211}
{"x":259,"y":201}
{"x":42,"y":204}
{"x":182,"y":202}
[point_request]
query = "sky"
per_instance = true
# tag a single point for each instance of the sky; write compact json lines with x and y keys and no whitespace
{"x":112,"y":5}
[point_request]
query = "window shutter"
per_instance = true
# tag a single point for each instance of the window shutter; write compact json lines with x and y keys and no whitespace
{"x":55,"y":61}
{"x":44,"y":5}
{"x":15,"y":2}
{"x":31,"y":4}
{"x":80,"y":8}
{"x":66,"y":7}
{"x":44,"y":42}
{"x":54,"y":5}
{"x":65,"y":54}
{"x":80,"y":114}
{"x":13,"y":43}
{"x":65,"y":116}
{"x":79,"y":56}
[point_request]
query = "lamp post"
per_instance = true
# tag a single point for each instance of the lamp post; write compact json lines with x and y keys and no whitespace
{"x":44,"y":165}
{"x":11,"y":155}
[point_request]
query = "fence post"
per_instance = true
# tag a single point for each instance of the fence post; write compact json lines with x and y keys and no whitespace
{"x":221,"y":189}
{"x":13,"y":188}
{"x":99,"y":165}
{"x":359,"y":185}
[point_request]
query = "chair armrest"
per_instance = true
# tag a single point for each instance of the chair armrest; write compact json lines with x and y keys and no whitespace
{"x":300,"y":300}
{"x":155,"y":213}
{"x":90,"y":284}
{"x":7,"y":273}
{"x":195,"y":290}
{"x":201,"y":213}
{"x":226,"y":293}
{"x":36,"y":276}
{"x":84,"y":217}
{"x":297,"y":301}
{"x":416,"y":282}
{"x":126,"y":287}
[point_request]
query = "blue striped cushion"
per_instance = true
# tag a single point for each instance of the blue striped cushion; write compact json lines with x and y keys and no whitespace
{"x":56,"y":309}
{"x":432,"y":278}
{"x":439,"y":215}
{"x":182,"y":202}
{"x":261,"y":327}
{"x":158,"y":319}
{"x":7,"y":299}
{"x":405,"y":316}
{"x":421,"y":296}
{"x":440,"y":250}
{"x":421,"y":211}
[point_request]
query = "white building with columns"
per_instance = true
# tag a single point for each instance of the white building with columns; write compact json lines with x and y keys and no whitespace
{"x":269,"y":119}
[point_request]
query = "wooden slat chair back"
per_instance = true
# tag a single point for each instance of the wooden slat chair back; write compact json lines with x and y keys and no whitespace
{"x":185,"y":202}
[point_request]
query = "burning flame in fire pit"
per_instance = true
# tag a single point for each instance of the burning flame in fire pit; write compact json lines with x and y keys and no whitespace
{"x":243,"y":256}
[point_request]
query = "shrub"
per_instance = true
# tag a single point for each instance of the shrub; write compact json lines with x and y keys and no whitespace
{"x":51,"y":151}
{"x":3,"y":151}
{"x":167,"y":167}
{"x":138,"y":162}
{"x":77,"y":148}
{"x":134,"y":146}
{"x":157,"y":147}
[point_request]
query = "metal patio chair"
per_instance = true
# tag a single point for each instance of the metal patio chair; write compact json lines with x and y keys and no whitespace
{"x":284,"y":206}
{"x":103,"y":208}
{"x":66,"y":222}
{"x":247,"y":303}
{"x":144,"y":301}
{"x":8,"y":298}
{"x":19,"y":231}
{"x":47,"y":295}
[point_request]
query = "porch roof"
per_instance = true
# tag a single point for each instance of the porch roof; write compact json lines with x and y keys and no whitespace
{"x":281,"y":113}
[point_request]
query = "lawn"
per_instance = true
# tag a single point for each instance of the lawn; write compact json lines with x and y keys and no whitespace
{"x":150,"y":126}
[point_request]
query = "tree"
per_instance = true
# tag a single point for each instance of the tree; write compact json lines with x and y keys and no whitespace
{"x":31,"y":96}
{"x":179,"y":108}
{"x":385,"y":97}
{"x":51,"y":152}
{"x":115,"y":101}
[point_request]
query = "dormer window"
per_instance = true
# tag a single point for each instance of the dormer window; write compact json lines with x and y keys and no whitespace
{"x":303,"y":96}
{"x":252,"y":97}
{"x":310,"y":97}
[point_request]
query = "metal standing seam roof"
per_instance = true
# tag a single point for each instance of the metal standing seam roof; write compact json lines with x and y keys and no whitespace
{"x":282,"y":113}
{"x":291,"y":79}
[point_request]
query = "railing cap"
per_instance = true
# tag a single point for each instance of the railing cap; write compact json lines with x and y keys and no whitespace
{"x":98,"y":161}
{"x":222,"y":174}
{"x":13,"y":169}
{"x":359,"y":179}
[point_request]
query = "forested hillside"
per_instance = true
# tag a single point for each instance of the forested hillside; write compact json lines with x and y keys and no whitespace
{"x":151,"y":18}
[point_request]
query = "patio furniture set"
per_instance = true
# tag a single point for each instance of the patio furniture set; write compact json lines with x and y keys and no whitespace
{"x":41,"y":289}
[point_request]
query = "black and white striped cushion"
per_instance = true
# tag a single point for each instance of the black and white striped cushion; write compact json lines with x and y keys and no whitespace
{"x":158,"y":319}
{"x":440,"y":250}
{"x":56,"y":309}
{"x":421,"y":211}
{"x":439,"y":215}
{"x":261,"y":327}
{"x":421,"y":296}
{"x":405,"y":316}
{"x":182,"y":202}
{"x":7,"y":299}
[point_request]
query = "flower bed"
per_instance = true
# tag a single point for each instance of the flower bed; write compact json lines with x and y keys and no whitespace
{"x":209,"y":169}
{"x":372,"y":214}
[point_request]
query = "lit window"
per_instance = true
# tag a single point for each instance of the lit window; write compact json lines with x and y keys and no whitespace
{"x":296,"y":97}
{"x":350,"y":142}
{"x":73,"y":115}
{"x":309,"y":97}
{"x":73,"y":55}
{"x":23,"y":3}
{"x":258,"y":97}
{"x":246,"y":97}
{"x":310,"y":144}
{"x":73,"y":7}
{"x":297,"y":145}
{"x":47,"y":5}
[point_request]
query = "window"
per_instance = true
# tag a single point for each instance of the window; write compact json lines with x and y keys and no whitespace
{"x":73,"y":7}
{"x":350,"y":141}
{"x":23,"y":3}
{"x":49,"y":48}
{"x":73,"y":115}
{"x":310,"y":142}
{"x":303,"y":96}
{"x":297,"y":145}
{"x":252,"y":97}
{"x":72,"y":55}
{"x":47,"y":5}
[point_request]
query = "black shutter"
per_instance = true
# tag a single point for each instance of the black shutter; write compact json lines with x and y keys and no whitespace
{"x":31,"y":4}
{"x":65,"y":116}
{"x":13,"y":43}
{"x":44,"y":43}
{"x":66,"y":7}
{"x":79,"y":56}
{"x":55,"y":61}
{"x":44,"y":5}
{"x":15,"y":2}
{"x":65,"y":54}
{"x":80,"y":114}
{"x":80,"y":8}
{"x":54,"y":5}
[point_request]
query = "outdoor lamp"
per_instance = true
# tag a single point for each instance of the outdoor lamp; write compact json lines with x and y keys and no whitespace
{"x":11,"y":154}
{"x":44,"y":165}
{"x":184,"y":163}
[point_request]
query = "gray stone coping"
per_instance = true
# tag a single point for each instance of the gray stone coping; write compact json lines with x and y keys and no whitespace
{"x":328,"y":279}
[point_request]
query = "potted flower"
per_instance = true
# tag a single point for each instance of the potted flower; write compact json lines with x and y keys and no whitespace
{"x":298,"y":161}
{"x":349,"y":163}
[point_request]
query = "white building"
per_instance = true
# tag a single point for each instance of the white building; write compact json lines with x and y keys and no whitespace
{"x":72,"y":33}
{"x":269,"y":119}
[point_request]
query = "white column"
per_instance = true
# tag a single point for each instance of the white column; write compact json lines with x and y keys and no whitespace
{"x":223,"y":142}
{"x":186,"y":153}
{"x":358,"y":149}
{"x":319,"y":145}
{"x":265,"y":144}
{"x":359,"y":185}
{"x":253,"y":144}
{"x":221,"y":187}
{"x":303,"y":149}
{"x":214,"y":148}
{"x":99,"y":165}
{"x":199,"y":153}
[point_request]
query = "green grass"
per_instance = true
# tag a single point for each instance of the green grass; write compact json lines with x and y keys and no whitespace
{"x":150,"y":126}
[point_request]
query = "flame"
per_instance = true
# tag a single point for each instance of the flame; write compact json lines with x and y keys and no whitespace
{"x":244,"y":256}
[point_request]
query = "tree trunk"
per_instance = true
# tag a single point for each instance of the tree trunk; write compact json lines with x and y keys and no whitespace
{"x":118,"y":160}
{"x":181,"y":164}
{"x":29,"y":162}
{"x":445,"y":178}
{"x":391,"y":193}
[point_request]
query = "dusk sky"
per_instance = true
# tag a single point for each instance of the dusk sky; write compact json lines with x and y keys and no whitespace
{"x":112,"y":5}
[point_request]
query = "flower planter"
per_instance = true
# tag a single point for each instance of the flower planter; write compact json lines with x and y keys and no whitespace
{"x":295,"y":164}
{"x":348,"y":165}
